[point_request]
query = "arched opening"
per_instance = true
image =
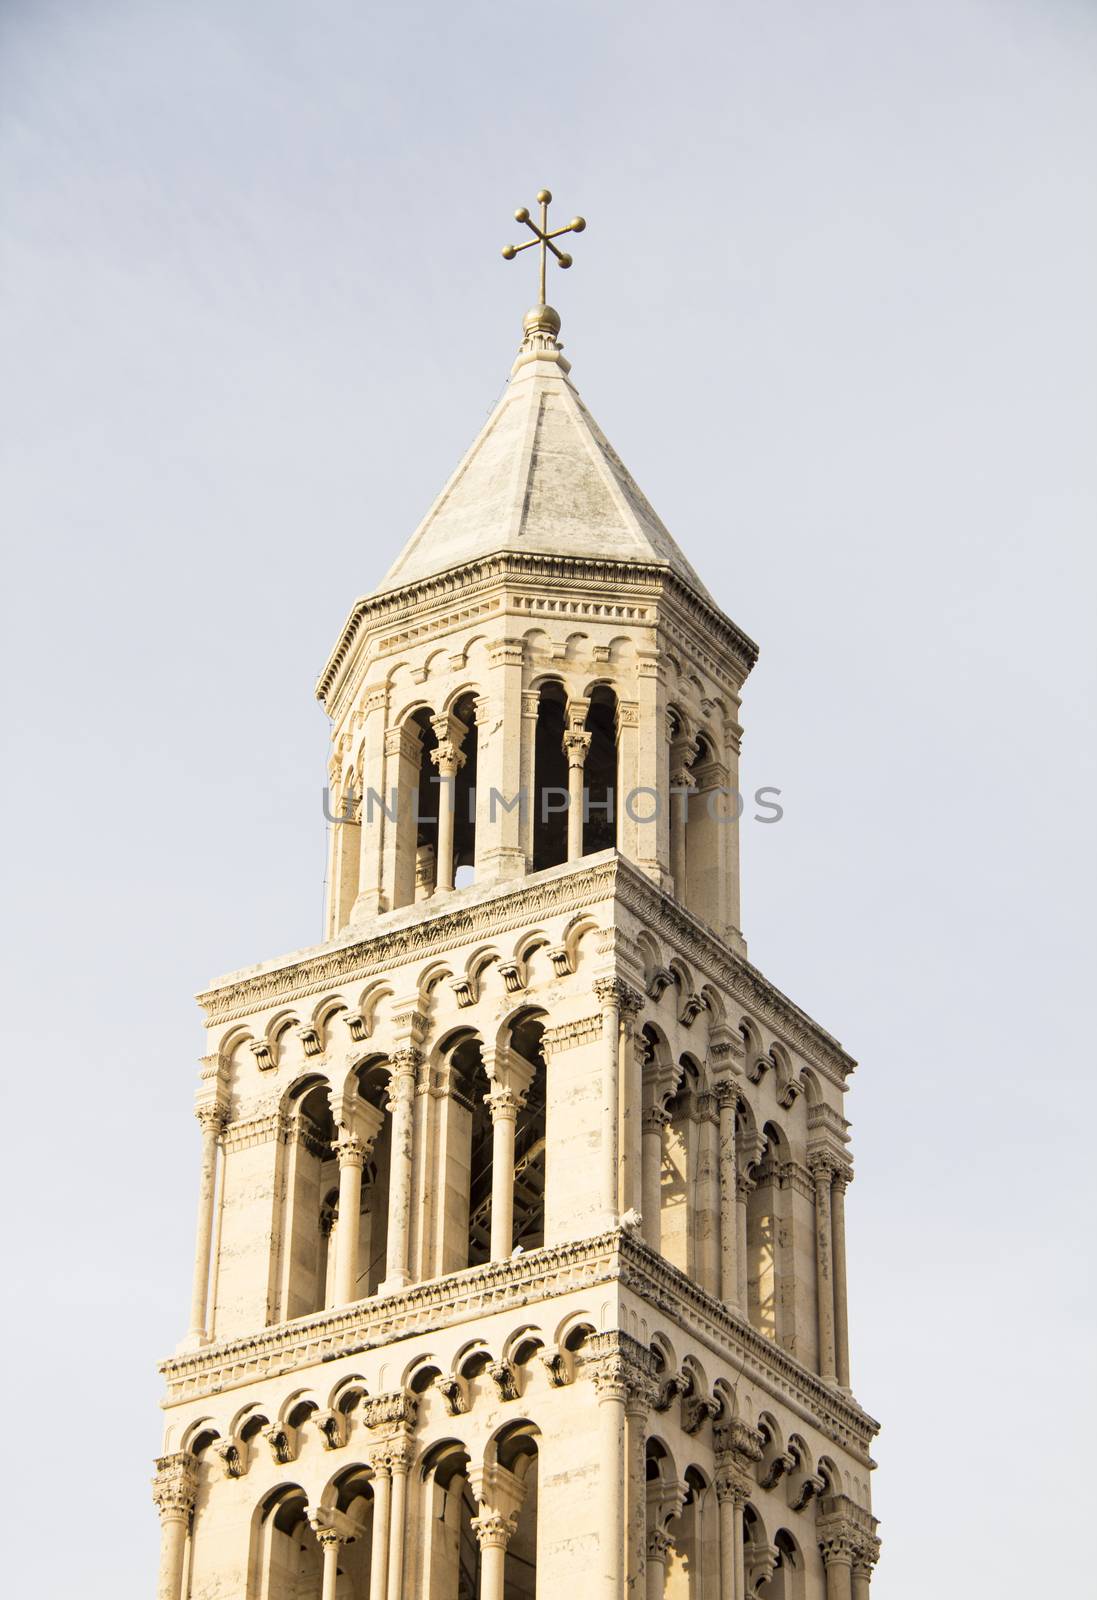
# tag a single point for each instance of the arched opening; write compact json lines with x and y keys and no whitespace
{"x":679,"y":1166}
{"x":530,"y":1146}
{"x":350,"y":1496}
{"x":450,"y":1554}
{"x":464,"y":797}
{"x":418,"y":868}
{"x":345,"y":821}
{"x":373,"y":1081}
{"x":463,"y":1217}
{"x":787,"y":1582}
{"x":600,"y":772}
{"x":763,"y":1282}
{"x":693,"y":1560}
{"x":311,"y":1195}
{"x":705,"y":825}
{"x":517,"y":1454}
{"x":285,"y":1559}
{"x":550,"y":780}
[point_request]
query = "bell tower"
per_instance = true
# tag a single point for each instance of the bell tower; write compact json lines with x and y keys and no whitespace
{"x":520,"y":1261}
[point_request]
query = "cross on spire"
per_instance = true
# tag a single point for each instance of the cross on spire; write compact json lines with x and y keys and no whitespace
{"x":543,"y":237}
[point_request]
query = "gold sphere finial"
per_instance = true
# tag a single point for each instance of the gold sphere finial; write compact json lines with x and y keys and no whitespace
{"x":544,"y":197}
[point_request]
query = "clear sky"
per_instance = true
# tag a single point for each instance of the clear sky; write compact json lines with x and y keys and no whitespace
{"x":835,"y":308}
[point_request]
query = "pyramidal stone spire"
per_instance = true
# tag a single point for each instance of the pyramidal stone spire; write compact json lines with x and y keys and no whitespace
{"x":541,"y":478}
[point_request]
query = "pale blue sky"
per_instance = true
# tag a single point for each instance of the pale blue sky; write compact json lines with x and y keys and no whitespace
{"x":835,"y":309}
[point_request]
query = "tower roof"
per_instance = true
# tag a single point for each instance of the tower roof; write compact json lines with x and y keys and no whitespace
{"x":541,"y":478}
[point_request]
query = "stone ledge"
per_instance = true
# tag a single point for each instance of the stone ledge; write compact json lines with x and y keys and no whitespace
{"x":498,"y":1286}
{"x":469,"y":914}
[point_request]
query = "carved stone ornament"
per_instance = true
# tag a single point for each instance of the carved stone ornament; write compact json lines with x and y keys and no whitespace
{"x":282,"y":1441}
{"x":333,"y":1428}
{"x":505,"y":1379}
{"x":511,"y":973}
{"x":454,"y":1393}
{"x":310,"y":1039}
{"x":464,"y":990}
{"x":692,"y":1006}
{"x":264,"y":1055}
{"x":660,"y":979}
{"x":493,"y":1530}
{"x":175,"y":1486}
{"x":232,"y":1458}
{"x":555,"y":1364}
{"x":358,"y":1026}
{"x":560,"y":957}
{"x":395,"y":1409}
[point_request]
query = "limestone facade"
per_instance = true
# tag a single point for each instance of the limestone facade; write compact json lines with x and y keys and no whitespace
{"x":520,"y":1261}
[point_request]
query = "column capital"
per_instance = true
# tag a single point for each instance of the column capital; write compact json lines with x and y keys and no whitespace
{"x":659,"y":1544}
{"x":620,"y":1367}
{"x":493,"y":1530}
{"x":823,"y":1164}
{"x":351,"y":1151}
{"x":729,"y":1485}
{"x":727,"y":1093}
{"x":615,"y":991}
{"x":504,"y":1103}
{"x":738,"y":1446}
{"x":447,"y":758}
{"x":653,"y":1119}
{"x":212,"y":1118}
{"x":576,"y":746}
{"x":175,"y":1486}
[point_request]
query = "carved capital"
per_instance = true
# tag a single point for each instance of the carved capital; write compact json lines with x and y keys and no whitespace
{"x":576,"y":746}
{"x":212,"y":1119}
{"x":493,"y":1530}
{"x":616,"y":992}
{"x":175,"y":1485}
{"x":352,"y":1151}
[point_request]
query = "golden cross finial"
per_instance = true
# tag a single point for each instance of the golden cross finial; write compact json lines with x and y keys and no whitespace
{"x":542,"y":237}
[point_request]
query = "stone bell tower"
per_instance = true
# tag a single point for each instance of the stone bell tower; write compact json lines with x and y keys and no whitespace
{"x":520,"y":1264}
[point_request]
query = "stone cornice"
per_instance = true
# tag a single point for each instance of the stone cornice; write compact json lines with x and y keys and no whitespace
{"x":499,"y":1286}
{"x":511,"y":905}
{"x":467,"y":582}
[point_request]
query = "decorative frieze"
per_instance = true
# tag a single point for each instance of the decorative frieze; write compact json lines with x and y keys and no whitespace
{"x":568,"y":1035}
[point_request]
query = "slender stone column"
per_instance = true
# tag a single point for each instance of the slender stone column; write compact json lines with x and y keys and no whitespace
{"x":330,"y":1544}
{"x":628,"y":730}
{"x":611,"y":992}
{"x":630,"y":1101}
{"x":212,"y":1121}
{"x":710,"y":1187}
{"x":865,"y":1558}
{"x":609,"y":1379}
{"x":402,"y":1065}
{"x":837,"y":1551}
{"x":743,"y":1185}
{"x":637,"y":1406}
{"x":392,"y":836}
{"x":504,"y":1105}
{"x":399,"y":1461}
{"x":659,"y":1546}
{"x":682,"y":753}
{"x":728,"y":1099}
{"x":681,"y":784}
{"x":352,"y":1155}
{"x":447,"y":757}
{"x":841,"y":1309}
{"x":655,"y":1119}
{"x":731,"y":1497}
{"x":379,"y":1547}
{"x":822,"y":1170}
{"x":174,"y":1489}
{"x":493,"y":1533}
{"x":370,"y":833}
{"x":499,"y":1495}
{"x":576,"y":745}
